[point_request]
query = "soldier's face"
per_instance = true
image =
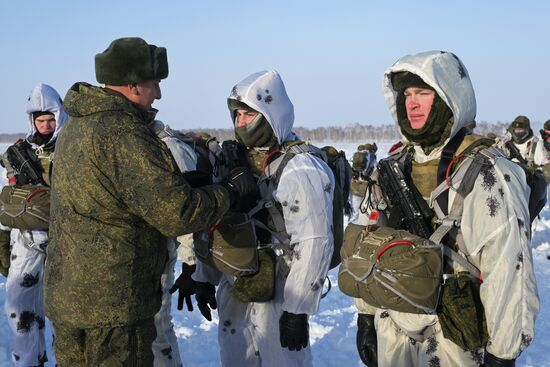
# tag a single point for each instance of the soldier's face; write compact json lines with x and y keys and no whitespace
{"x":147,"y":92}
{"x":244,"y":117}
{"x":45,"y":124}
{"x":418,"y":102}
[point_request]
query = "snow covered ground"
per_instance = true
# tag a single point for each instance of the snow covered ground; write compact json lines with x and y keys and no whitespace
{"x":333,"y":328}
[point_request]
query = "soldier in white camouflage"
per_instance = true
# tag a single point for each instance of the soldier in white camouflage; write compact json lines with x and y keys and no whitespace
{"x":25,"y":253}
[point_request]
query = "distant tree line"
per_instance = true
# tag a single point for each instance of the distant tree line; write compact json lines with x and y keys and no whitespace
{"x":350,"y":133}
{"x":357,"y":132}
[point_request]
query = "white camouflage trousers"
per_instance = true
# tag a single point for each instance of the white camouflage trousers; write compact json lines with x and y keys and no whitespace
{"x":24,"y":297}
{"x":397,"y":349}
{"x":165,"y":346}
{"x":248,"y":333}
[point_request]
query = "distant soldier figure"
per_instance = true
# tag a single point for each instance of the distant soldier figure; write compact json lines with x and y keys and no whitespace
{"x":526,"y":149}
{"x":529,"y":146}
{"x":29,"y":165}
{"x":117,"y":195}
{"x":363,"y":164}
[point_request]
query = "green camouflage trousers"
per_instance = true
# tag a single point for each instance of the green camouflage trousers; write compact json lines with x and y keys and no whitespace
{"x":128,"y":345}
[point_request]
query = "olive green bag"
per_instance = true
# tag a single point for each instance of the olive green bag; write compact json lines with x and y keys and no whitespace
{"x":258,"y":287}
{"x":230,"y":246}
{"x":461,"y":312}
{"x":25,"y":207}
{"x":392,"y":269}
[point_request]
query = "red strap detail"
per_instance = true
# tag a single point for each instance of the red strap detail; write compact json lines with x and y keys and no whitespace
{"x":395,"y":146}
{"x":450,"y":166}
{"x":481,"y":277}
{"x":390,"y":245}
{"x":12,"y":179}
{"x":214,"y":227}
{"x":266,"y":159}
{"x":33,"y":193}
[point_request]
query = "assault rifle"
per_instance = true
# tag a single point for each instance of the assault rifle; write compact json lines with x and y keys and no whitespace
{"x":514,"y":153}
{"x":19,"y":163}
{"x":408,"y":208}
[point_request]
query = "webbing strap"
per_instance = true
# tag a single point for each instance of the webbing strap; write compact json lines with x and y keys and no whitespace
{"x":447,"y":156}
{"x":453,"y":219}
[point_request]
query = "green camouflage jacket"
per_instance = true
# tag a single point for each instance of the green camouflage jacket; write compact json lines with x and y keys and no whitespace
{"x":116,"y":193}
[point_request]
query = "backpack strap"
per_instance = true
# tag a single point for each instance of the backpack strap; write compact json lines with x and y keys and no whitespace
{"x":467,"y":173}
{"x":447,"y":156}
{"x":268,"y":184}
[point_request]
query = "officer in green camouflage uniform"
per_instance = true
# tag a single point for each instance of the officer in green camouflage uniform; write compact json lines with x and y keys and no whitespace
{"x":117,"y":194}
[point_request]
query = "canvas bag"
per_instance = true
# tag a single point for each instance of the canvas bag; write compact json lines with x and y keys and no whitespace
{"x":391,"y":268}
{"x":25,"y":207}
{"x":229,"y":246}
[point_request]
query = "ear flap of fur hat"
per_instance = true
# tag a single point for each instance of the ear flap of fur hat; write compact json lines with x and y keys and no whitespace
{"x":131,"y":60}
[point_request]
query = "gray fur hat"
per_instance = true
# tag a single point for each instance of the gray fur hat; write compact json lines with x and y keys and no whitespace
{"x":130,"y":60}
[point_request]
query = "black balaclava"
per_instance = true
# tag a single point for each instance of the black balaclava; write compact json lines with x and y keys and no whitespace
{"x":258,"y":133}
{"x":439,"y":123}
{"x":38,"y":138}
{"x":520,"y":129}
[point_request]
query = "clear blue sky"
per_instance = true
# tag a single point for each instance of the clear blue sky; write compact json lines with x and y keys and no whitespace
{"x":331,"y":54}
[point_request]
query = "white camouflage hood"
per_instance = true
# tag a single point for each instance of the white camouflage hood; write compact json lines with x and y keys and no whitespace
{"x":445,"y":73}
{"x":45,"y":98}
{"x":265,"y":92}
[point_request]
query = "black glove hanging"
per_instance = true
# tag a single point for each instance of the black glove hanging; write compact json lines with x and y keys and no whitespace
{"x":185,"y":285}
{"x":366,"y":340}
{"x":206,"y":299}
{"x":492,"y":361}
{"x":294,"y":331}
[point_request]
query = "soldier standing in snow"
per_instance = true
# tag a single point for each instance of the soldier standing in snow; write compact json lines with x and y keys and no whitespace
{"x":274,"y":331}
{"x":431,"y":98}
{"x":24,"y":288}
{"x":117,"y":195}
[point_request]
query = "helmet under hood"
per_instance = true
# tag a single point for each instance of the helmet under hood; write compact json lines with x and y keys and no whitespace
{"x":520,"y":130}
{"x":263,"y":92}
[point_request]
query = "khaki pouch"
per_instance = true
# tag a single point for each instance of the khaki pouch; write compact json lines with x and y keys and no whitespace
{"x":25,"y":207}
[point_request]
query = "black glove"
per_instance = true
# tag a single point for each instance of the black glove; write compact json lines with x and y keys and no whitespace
{"x":366,"y":340}
{"x":205,"y":294}
{"x":197,"y":178}
{"x":245,"y":189}
{"x":4,"y":252}
{"x":294,"y":331}
{"x":492,"y":361}
{"x":185,"y":285}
